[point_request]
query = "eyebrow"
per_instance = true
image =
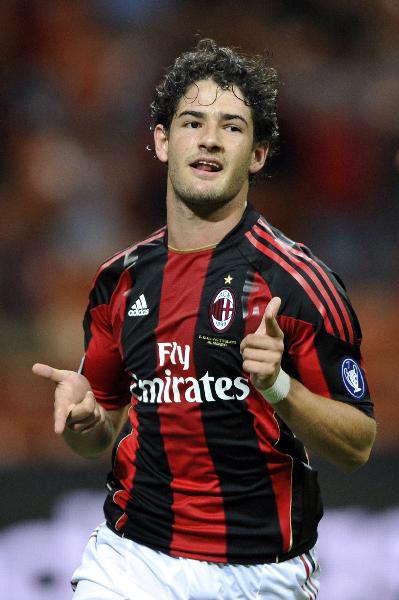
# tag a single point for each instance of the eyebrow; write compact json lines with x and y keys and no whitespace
{"x":201,"y":115}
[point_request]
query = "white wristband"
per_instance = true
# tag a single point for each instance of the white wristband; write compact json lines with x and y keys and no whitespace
{"x":279,"y":390}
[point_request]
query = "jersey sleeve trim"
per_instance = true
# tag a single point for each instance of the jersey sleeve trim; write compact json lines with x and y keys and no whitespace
{"x":126,"y":252}
{"x":297,"y":276}
{"x":311,"y":277}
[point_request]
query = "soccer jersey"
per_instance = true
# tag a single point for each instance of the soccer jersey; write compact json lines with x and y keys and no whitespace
{"x":205,"y":468}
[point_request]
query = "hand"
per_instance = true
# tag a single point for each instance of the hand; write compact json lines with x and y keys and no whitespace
{"x":74,"y":405}
{"x":263,"y":349}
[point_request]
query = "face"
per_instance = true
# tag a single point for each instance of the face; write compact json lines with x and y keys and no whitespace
{"x":209,"y":147}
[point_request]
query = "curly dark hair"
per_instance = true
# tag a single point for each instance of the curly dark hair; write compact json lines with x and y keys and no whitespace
{"x":255,"y":77}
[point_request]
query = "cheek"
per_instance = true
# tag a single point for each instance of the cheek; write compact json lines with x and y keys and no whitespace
{"x":242,"y":161}
{"x":178,"y":152}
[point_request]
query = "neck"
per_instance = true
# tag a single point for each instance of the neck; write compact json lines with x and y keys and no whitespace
{"x":191,"y":228}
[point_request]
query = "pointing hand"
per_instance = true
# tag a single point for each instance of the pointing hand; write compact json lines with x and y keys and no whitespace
{"x":262,"y":350}
{"x":74,"y":405}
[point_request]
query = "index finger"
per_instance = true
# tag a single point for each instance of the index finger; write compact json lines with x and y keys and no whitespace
{"x":56,"y":375}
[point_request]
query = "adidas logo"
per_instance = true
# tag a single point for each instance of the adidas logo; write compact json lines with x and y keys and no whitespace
{"x":139,"y":308}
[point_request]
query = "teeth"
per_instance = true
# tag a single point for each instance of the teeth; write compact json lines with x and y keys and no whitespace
{"x":208,"y":163}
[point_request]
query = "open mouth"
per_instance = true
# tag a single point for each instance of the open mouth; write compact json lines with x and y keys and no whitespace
{"x":209,"y":166}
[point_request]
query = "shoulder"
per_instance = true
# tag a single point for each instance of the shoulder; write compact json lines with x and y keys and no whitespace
{"x":309,"y":289}
{"x":115,"y":267}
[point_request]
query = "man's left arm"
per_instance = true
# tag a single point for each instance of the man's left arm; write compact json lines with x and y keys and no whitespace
{"x":335,"y":430}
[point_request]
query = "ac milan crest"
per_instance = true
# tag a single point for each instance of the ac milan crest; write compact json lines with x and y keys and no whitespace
{"x":222,"y":310}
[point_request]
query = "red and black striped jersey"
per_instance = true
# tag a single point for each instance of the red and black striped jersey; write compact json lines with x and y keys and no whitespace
{"x":204,"y":467}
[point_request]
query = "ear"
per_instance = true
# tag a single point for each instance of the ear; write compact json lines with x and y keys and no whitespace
{"x":161,"y":142}
{"x":259,"y":155}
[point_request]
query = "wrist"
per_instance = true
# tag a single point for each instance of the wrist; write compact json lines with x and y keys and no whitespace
{"x":279,"y":390}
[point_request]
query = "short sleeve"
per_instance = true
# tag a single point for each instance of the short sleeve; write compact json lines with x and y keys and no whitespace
{"x":102,"y":363}
{"x":327,"y":364}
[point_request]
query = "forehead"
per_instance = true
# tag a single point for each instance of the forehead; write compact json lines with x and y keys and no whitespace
{"x":206,"y":95}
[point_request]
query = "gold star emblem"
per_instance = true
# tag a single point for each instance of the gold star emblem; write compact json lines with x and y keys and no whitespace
{"x":228,"y":279}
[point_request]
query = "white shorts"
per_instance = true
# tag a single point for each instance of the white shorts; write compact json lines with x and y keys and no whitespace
{"x":115,"y":568}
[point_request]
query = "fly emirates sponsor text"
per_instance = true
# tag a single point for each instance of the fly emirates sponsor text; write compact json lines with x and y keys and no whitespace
{"x":169,"y":387}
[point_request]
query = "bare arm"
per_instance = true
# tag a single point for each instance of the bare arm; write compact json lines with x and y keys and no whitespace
{"x":336,"y":431}
{"x":340,"y":433}
{"x":86,"y":426}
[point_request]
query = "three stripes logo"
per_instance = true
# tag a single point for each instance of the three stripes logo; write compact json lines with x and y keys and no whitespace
{"x":139,"y":308}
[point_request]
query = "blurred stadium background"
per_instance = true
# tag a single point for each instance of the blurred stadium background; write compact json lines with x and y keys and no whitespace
{"x":78,"y":182}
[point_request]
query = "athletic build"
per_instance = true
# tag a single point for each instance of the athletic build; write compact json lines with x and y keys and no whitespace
{"x":230,"y":343}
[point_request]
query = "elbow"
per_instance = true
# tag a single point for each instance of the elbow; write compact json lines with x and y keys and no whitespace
{"x":360,"y":454}
{"x":356,"y":457}
{"x":92,"y":455}
{"x":355,"y":460}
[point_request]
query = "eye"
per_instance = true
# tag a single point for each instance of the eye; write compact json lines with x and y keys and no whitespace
{"x":233,"y":128}
{"x":192,"y":124}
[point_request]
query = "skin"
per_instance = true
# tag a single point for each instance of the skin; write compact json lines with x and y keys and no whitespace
{"x":215,"y":126}
{"x":334,"y":430}
{"x":85,"y":425}
{"x":212,"y":124}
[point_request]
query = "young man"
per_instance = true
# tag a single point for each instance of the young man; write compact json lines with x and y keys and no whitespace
{"x":233,"y":347}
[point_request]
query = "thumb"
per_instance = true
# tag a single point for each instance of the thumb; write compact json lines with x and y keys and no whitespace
{"x":268,"y":324}
{"x":272,"y":327}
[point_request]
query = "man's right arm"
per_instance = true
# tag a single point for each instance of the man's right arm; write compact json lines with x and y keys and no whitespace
{"x":86,"y":426}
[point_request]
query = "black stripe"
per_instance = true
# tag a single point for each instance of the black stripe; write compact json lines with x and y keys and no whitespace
{"x":107,"y":279}
{"x":307,"y":508}
{"x":250,"y":508}
{"x":310,"y":559}
{"x":150,"y":507}
{"x":312,"y":587}
{"x":104,"y":287}
{"x":311,"y":592}
{"x":330,"y":358}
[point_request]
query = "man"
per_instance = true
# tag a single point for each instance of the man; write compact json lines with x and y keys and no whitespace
{"x":233,"y":347}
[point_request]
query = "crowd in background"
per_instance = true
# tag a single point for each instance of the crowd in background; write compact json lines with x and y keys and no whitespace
{"x":79,"y":181}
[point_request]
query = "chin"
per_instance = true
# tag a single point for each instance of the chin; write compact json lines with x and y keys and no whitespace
{"x":205,"y":197}
{"x":205,"y":201}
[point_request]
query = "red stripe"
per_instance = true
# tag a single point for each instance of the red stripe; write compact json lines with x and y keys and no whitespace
{"x":309,"y":596}
{"x":314,"y":567}
{"x":280,"y":471}
{"x":311,"y":274}
{"x":197,"y":505}
{"x":103,"y":363}
{"x":121,"y":522}
{"x":118,"y":305}
{"x":299,"y":278}
{"x":305,"y":565}
{"x":303,"y":353}
{"x":279,"y":465}
{"x":308,"y":578}
{"x":333,"y":290}
{"x":125,"y":462}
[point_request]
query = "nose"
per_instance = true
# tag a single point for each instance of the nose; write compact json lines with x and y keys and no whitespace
{"x":210,"y":138}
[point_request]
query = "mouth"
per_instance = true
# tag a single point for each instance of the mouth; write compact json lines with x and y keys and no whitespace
{"x":206,"y":165}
